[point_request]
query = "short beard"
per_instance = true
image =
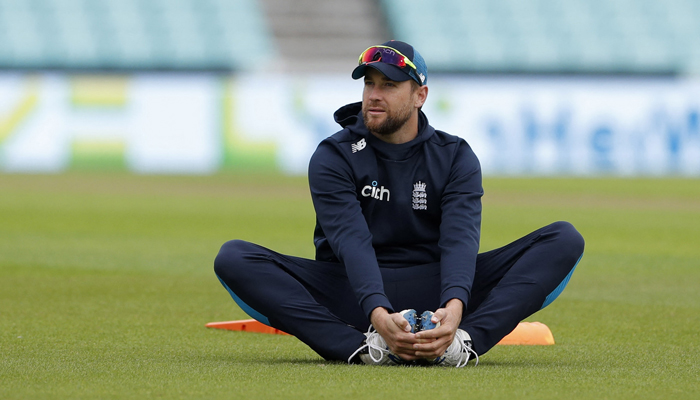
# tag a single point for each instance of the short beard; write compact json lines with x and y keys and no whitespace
{"x":391,"y":124}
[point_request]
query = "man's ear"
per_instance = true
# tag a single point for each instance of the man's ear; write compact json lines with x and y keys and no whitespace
{"x":421,"y":96}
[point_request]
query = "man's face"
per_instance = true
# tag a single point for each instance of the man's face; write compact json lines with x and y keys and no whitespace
{"x":386,"y":105}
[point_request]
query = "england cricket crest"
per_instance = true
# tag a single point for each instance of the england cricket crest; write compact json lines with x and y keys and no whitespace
{"x":420,"y":196}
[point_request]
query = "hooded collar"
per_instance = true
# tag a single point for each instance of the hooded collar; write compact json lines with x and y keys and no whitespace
{"x":350,"y":117}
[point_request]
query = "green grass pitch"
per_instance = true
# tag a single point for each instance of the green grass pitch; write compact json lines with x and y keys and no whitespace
{"x":106,"y":282}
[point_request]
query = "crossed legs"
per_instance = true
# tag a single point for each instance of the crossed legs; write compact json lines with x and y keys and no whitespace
{"x":313,"y":300}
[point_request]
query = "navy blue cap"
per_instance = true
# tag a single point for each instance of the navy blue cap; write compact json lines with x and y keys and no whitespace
{"x":395,"y":73}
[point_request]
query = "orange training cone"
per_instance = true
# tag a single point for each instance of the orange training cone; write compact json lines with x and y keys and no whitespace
{"x":529,"y":333}
{"x":245,"y":325}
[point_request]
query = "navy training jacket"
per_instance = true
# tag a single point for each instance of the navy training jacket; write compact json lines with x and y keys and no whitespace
{"x":391,"y":206}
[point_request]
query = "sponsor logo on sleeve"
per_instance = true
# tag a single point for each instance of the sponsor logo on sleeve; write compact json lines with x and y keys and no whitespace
{"x":361,"y":144}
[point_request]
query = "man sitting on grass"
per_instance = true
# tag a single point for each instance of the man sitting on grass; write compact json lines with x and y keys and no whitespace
{"x":398,"y":211}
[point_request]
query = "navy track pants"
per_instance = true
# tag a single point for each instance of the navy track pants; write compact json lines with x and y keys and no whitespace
{"x":313,"y":300}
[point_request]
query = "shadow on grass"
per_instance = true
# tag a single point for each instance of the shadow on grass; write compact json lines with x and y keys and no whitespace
{"x":518,"y":364}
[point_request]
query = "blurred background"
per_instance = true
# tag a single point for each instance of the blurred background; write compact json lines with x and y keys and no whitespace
{"x":537,"y":87}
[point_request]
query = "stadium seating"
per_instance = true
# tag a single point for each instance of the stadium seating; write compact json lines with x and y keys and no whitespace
{"x":579,"y":36}
{"x":134,"y":34}
{"x":532,"y":36}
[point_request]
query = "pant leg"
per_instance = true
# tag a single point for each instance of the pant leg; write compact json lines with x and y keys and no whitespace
{"x":515,"y":281}
{"x":309,"y":299}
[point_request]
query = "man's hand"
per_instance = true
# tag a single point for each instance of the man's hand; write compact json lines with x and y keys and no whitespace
{"x":396,"y":331}
{"x":433,"y":343}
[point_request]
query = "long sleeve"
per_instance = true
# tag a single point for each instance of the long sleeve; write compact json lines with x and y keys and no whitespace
{"x":460,"y":226}
{"x":339,"y":215}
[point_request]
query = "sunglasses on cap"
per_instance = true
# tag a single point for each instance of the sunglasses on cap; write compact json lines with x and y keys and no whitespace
{"x":387,"y":55}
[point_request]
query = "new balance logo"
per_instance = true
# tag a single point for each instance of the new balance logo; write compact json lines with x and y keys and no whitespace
{"x":375,"y":192}
{"x":358,"y":146}
{"x":420,"y":196}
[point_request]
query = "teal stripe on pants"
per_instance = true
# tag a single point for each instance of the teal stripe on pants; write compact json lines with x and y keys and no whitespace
{"x":248,"y":309}
{"x":556,"y":292}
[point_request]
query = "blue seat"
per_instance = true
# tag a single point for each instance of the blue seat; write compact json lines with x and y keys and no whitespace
{"x":552,"y":35}
{"x":173,"y":34}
